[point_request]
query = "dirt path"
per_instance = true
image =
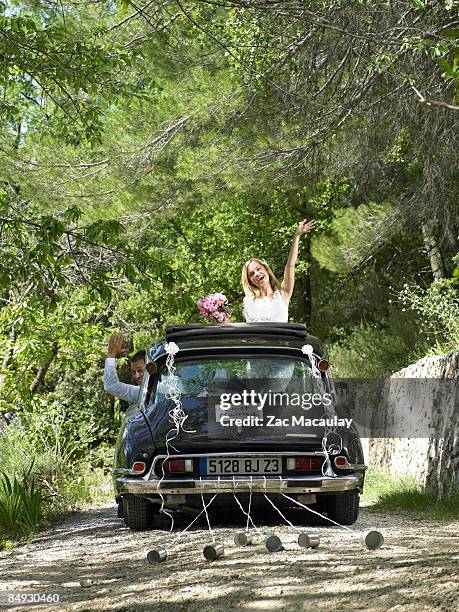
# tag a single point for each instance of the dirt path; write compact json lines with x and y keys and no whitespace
{"x":94,"y":563}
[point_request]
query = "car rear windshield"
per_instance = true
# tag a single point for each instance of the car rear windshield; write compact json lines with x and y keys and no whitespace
{"x":260,"y":374}
{"x":252,"y":398}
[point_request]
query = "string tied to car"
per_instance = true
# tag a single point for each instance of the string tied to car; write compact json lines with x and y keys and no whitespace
{"x":331,"y":444}
{"x":176,"y":414}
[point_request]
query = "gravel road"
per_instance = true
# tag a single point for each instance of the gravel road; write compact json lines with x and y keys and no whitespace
{"x":93,"y":562}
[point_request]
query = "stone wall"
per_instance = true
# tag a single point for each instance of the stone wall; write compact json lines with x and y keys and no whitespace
{"x":424,"y":399}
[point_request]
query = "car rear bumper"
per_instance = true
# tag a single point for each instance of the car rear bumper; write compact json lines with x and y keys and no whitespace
{"x":225,"y":484}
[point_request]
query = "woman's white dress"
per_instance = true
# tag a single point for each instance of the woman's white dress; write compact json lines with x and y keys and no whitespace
{"x":258,"y":310}
{"x":275,"y":310}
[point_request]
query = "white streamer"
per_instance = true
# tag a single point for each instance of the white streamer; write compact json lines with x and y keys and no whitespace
{"x":250,"y":506}
{"x":247,"y":514}
{"x":328,"y":449}
{"x":176,"y":416}
{"x":285,"y":518}
{"x":192,"y":523}
{"x":315,"y":512}
{"x":308,"y":350}
{"x":205,"y":510}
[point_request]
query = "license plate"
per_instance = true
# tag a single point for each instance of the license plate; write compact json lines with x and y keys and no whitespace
{"x":244,"y":465}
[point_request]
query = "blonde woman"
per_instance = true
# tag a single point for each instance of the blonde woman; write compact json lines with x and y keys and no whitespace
{"x":266,"y":299}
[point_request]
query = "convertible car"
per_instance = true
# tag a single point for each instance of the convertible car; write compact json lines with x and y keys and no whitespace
{"x":246,"y":411}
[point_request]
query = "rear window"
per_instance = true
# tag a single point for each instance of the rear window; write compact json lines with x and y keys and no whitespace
{"x":210,"y":376}
{"x":240,"y":398}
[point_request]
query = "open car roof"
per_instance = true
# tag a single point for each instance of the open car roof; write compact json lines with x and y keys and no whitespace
{"x":261,"y":338}
{"x":281,"y":331}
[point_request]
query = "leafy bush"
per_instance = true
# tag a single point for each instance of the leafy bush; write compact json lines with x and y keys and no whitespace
{"x":420,"y":322}
{"x":80,"y":396}
{"x":369,"y":351}
{"x":42,"y":461}
{"x":437,"y":309}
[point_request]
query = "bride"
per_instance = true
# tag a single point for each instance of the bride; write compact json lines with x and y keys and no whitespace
{"x":265,"y":298}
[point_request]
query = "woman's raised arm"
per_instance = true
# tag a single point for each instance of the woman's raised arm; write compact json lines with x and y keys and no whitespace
{"x":289,"y":272}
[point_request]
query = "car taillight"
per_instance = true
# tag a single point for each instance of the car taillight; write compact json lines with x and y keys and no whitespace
{"x":340,"y":461}
{"x":304,"y":463}
{"x":316,"y":463}
{"x":178,"y":465}
{"x":139,"y":467}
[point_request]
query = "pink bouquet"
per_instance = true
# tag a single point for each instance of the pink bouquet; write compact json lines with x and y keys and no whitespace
{"x":214,"y":307}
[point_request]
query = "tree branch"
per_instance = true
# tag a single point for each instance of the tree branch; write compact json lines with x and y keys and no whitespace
{"x":428,"y":102}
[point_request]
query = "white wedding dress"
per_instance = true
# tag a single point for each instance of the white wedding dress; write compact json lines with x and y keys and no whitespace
{"x":259,"y":310}
{"x":265,"y":310}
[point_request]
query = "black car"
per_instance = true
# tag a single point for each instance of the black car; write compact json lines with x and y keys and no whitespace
{"x":240,"y":433}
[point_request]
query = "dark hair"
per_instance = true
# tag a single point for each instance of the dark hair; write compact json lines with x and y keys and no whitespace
{"x":139,"y":355}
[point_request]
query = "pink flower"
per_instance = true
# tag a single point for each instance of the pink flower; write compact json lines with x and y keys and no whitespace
{"x":206,"y":306}
{"x":213,"y":306}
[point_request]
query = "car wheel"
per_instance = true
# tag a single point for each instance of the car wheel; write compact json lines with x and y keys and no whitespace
{"x":344,"y":509}
{"x":138,"y":513}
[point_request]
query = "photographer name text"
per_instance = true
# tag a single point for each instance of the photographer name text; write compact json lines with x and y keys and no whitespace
{"x":292,"y":421}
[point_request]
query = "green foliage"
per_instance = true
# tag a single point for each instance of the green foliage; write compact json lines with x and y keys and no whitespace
{"x":400,"y":149}
{"x":74,"y":327}
{"x":21,"y":505}
{"x":48,"y":469}
{"x":245,"y":35}
{"x":80,"y":395}
{"x":437,"y":310}
{"x":369,"y":351}
{"x":61,"y":68}
{"x":48,"y":254}
{"x":421,"y":321}
{"x":405,"y":494}
{"x":352,"y":233}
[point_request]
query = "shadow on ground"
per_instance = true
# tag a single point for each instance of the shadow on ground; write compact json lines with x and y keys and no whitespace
{"x":93,"y":562}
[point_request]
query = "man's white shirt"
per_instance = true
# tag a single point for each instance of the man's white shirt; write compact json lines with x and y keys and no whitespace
{"x":114,"y":386}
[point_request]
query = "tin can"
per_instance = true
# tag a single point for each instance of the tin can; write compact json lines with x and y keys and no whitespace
{"x":273,"y":543}
{"x":243,"y":538}
{"x":212,"y":551}
{"x":157,"y":555}
{"x":308,"y":540}
{"x":372,"y":539}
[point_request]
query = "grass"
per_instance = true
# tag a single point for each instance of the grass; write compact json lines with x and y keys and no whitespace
{"x":26,"y":506}
{"x":22,"y":505}
{"x":386,"y":493}
{"x":41,"y":481}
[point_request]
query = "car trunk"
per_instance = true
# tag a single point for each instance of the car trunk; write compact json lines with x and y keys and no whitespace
{"x":201,"y":432}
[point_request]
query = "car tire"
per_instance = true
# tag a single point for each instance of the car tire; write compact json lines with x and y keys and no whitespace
{"x":138,"y":513}
{"x":344,"y":509}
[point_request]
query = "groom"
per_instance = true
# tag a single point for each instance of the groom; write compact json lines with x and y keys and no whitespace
{"x":112,"y":383}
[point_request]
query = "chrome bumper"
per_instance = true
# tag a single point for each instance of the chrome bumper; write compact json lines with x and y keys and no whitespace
{"x":294,"y":484}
